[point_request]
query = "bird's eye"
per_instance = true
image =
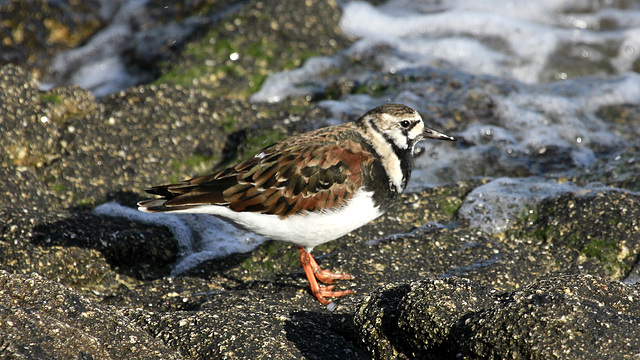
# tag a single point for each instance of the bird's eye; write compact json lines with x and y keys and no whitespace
{"x":405,"y":123}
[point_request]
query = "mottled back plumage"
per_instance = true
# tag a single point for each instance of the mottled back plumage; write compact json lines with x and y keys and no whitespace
{"x":317,"y":170}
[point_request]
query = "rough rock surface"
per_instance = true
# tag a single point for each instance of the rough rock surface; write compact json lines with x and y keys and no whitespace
{"x":569,"y":317}
{"x":42,"y":319}
{"x":77,"y":285}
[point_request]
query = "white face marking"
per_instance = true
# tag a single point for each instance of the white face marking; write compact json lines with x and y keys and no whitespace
{"x":416,"y":133}
{"x":394,"y":130}
{"x":390,"y":161}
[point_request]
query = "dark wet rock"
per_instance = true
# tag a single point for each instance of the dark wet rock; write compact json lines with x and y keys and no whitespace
{"x":455,"y":99}
{"x":592,"y":231}
{"x":262,"y":38}
{"x":33,"y":31}
{"x":414,"y":320}
{"x":619,"y":169}
{"x":97,"y":256}
{"x":42,"y":319}
{"x":255,"y":323}
{"x":571,"y":317}
{"x":74,"y":151}
{"x":577,"y":317}
{"x":586,"y":232}
{"x":620,"y":117}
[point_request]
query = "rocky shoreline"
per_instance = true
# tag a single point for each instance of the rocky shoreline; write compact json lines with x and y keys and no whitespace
{"x":77,"y":285}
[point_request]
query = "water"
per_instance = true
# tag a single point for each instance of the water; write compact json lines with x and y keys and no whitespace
{"x":125,"y":52}
{"x":545,"y":67}
{"x":538,"y":130}
{"x":99,"y":65}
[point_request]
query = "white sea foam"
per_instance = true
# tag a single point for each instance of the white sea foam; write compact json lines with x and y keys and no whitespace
{"x":513,"y":39}
{"x":276,"y":88}
{"x":529,"y":41}
{"x":455,"y":36}
{"x":111,"y":59}
{"x":199,"y":237}
{"x":97,"y":65}
{"x":493,"y":207}
{"x":534,"y":128}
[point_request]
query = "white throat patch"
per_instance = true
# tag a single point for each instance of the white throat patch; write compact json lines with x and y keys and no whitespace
{"x":389,"y":159}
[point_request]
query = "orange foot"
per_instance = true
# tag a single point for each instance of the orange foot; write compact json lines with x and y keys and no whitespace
{"x":315,"y":273}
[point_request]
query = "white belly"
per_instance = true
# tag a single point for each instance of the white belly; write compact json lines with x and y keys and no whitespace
{"x":305,"y":229}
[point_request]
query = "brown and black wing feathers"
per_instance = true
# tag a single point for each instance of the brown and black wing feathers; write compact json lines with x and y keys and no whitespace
{"x":314,"y":171}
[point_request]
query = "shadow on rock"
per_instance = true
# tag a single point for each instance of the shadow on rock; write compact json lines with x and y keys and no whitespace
{"x":138,"y":250}
{"x":323,"y":335}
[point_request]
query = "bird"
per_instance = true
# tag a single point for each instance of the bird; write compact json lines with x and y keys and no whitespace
{"x":311,"y":188}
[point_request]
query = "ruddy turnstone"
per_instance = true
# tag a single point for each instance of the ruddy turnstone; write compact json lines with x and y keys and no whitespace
{"x":311,"y":188}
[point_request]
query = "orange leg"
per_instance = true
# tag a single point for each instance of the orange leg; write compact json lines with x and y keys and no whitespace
{"x":326,"y":276}
{"x":314,"y":273}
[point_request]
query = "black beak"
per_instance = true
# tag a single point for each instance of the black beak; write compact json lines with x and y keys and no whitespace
{"x":432,"y":134}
